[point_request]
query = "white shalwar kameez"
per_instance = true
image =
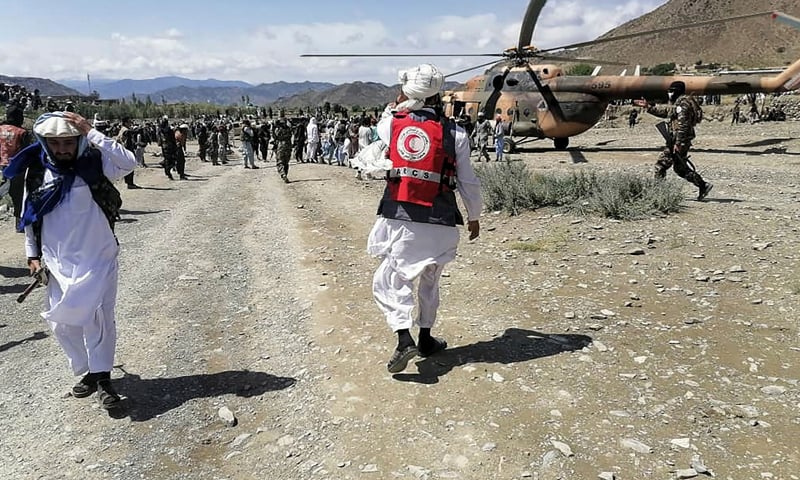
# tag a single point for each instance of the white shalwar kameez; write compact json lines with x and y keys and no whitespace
{"x":412,"y":250}
{"x":80,"y":252}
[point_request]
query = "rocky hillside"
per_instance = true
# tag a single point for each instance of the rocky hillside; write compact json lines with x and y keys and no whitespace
{"x":363,"y":94}
{"x":750,"y":43}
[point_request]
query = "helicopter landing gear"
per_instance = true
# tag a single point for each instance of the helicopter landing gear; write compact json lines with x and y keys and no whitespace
{"x":509,"y":146}
{"x":561,"y":143}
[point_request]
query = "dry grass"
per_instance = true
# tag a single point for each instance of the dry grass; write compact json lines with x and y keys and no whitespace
{"x":513,"y":188}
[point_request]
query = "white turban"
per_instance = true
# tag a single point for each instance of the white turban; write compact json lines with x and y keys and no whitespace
{"x":421,"y":82}
{"x":54,"y":126}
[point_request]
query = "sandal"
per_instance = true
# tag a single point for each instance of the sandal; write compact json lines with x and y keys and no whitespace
{"x":86,"y":387}
{"x":432,"y":346}
{"x":107,"y":396}
{"x":400,"y":359}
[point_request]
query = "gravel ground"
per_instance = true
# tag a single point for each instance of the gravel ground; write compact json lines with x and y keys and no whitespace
{"x":628,"y":350}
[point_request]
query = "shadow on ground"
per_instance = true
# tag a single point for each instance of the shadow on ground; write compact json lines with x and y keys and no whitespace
{"x":301,"y":180}
{"x":141,"y":212}
{"x":513,"y":346}
{"x":151,"y":397}
{"x":18,"y":288}
{"x":14,"y":272}
{"x":15,"y":343}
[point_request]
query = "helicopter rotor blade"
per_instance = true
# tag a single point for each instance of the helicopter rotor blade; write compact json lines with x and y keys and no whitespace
{"x":497,"y":89}
{"x":470,"y":68}
{"x":529,"y":23}
{"x":547,"y":94}
{"x":598,"y":61}
{"x":366,"y":55}
{"x":651,"y":32}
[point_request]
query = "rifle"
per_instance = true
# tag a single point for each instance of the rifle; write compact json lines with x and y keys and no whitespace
{"x":663,"y":129}
{"x":39,"y":278}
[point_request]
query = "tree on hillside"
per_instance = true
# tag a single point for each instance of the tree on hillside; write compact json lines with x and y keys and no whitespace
{"x":662,"y":69}
{"x":581,"y":69}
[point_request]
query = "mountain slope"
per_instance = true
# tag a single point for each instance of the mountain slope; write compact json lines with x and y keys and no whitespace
{"x":750,"y":43}
{"x":46,"y":87}
{"x":258,"y":95}
{"x":125,"y":87}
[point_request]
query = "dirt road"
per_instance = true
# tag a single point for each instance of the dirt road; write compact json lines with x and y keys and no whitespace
{"x":579,"y":346}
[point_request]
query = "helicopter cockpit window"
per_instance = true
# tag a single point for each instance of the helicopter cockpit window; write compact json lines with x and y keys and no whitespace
{"x":498,"y":111}
{"x":527,"y":112}
{"x":497,"y":82}
{"x":510,"y":112}
{"x":520,"y":81}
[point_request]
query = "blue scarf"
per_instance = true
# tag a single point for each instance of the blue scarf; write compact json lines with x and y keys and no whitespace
{"x":43,"y":200}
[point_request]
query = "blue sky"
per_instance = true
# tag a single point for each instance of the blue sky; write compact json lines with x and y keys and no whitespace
{"x":260,"y":41}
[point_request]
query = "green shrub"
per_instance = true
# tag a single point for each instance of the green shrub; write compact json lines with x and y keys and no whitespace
{"x":513,"y":188}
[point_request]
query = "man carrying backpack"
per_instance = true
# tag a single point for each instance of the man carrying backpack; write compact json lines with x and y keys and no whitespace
{"x":13,"y":138}
{"x":69,"y":208}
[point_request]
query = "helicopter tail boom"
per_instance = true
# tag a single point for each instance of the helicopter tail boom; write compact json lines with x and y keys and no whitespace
{"x":654,"y":87}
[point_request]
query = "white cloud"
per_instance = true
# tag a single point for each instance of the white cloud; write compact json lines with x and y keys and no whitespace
{"x":272,"y":52}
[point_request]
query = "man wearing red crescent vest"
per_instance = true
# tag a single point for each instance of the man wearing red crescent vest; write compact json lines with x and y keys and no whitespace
{"x":416,"y":233}
{"x":13,"y":138}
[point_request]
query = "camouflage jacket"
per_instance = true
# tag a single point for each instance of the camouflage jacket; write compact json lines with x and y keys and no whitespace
{"x":682,"y":118}
{"x":282,"y":133}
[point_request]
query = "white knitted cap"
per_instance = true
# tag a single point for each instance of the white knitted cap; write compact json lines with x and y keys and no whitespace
{"x":55,"y":126}
{"x":421,"y":82}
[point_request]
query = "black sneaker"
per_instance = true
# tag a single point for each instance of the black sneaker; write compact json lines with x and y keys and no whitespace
{"x":86,"y":387}
{"x":704,"y":191}
{"x":431,"y":346}
{"x":400,"y":359}
{"x":106,"y":395}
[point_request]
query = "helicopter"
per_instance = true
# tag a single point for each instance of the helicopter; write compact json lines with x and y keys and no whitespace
{"x":541,"y":101}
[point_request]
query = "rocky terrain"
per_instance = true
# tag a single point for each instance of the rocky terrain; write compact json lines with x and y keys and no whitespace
{"x":580,"y":348}
{"x":751,"y":43}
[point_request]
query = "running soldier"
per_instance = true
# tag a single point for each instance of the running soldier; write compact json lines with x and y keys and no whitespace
{"x":683,"y":113}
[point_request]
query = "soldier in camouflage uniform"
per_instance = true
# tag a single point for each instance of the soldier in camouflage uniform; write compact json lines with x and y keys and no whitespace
{"x":683,"y":113}
{"x":282,"y":135}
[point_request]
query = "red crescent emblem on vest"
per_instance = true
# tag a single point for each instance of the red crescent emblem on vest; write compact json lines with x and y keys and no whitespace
{"x":413,"y":144}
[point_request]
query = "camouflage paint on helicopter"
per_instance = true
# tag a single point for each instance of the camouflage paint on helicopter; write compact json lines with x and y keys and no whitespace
{"x":576,"y":103}
{"x":540,"y":101}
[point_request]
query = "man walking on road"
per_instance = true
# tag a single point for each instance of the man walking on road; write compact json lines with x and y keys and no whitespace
{"x":248,"y":138}
{"x":416,"y":234}
{"x":69,"y":208}
{"x":12,"y":139}
{"x":125,"y":137}
{"x":483,"y":129}
{"x":282,"y":135}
